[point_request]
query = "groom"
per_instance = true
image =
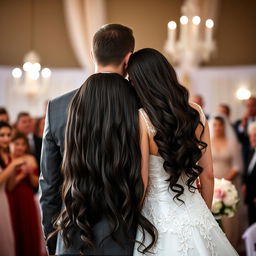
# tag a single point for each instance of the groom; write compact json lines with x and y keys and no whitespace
{"x":112,"y":46}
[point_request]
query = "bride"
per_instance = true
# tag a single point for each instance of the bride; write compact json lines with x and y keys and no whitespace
{"x":177,"y":147}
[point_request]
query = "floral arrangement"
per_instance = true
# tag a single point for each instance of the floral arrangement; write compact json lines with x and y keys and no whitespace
{"x":225,"y":198}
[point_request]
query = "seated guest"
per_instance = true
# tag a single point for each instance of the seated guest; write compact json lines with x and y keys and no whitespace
{"x":198,"y":99}
{"x":4,"y":117}
{"x":241,"y":126}
{"x":25,"y":124}
{"x":249,"y":177}
{"x":24,"y":212}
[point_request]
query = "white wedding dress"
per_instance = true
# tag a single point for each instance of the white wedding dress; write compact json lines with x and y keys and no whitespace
{"x":187,"y":229}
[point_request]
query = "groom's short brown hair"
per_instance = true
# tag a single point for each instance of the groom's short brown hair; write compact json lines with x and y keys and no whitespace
{"x":111,"y":43}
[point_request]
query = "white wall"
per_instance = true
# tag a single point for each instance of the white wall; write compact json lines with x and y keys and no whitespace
{"x":61,"y":81}
{"x":217,"y":85}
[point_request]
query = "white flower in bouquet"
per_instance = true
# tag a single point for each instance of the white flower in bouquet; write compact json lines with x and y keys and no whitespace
{"x":231,"y":197}
{"x":230,"y":213}
{"x":225,"y":198}
{"x":216,"y":206}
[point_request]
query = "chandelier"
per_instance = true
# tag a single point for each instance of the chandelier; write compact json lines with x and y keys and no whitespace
{"x":195,"y":43}
{"x":31,"y":79}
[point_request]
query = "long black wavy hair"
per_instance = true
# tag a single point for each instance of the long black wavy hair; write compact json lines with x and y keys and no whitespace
{"x":4,"y":125}
{"x":102,"y":162}
{"x":166,"y":103}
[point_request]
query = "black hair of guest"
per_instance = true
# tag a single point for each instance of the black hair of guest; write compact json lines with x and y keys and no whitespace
{"x":102,"y":162}
{"x":3,"y":111}
{"x":3,"y":125}
{"x":166,"y":103}
{"x":19,"y":135}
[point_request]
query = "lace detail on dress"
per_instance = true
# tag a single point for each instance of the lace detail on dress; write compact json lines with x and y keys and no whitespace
{"x":151,"y":129}
{"x":182,"y":226}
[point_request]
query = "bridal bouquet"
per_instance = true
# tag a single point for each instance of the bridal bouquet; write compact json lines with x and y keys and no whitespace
{"x":225,"y":198}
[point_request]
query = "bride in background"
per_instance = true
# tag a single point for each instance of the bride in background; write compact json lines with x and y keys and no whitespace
{"x":177,"y":145}
{"x":227,"y":164}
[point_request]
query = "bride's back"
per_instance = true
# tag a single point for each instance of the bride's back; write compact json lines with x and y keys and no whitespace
{"x":174,"y":126}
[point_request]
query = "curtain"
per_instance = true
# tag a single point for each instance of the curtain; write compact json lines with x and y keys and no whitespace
{"x":83,"y":19}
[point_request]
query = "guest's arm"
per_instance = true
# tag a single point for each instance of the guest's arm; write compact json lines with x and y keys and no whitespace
{"x":33,"y":171}
{"x":50,"y":182}
{"x":27,"y":170}
{"x":9,"y":171}
{"x":15,"y":180}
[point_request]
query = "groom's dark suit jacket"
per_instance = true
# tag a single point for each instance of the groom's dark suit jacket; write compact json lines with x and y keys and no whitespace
{"x":50,"y":187}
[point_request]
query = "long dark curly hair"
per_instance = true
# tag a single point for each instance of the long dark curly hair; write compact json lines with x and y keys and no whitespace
{"x":102,"y":162}
{"x":4,"y":125}
{"x":166,"y":103}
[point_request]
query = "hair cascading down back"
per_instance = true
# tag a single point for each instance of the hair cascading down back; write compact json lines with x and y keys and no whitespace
{"x":166,"y":103}
{"x":102,"y":161}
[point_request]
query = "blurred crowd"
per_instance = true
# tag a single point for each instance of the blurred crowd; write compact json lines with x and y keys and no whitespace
{"x":20,"y":150}
{"x":234,"y":158}
{"x":233,"y":148}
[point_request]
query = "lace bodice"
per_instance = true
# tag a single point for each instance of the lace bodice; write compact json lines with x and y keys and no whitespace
{"x":151,"y":129}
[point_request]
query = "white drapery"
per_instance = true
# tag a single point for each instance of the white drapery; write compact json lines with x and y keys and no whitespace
{"x":83,"y":19}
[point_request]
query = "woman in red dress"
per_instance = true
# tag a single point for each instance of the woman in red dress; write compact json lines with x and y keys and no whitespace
{"x":23,"y":207}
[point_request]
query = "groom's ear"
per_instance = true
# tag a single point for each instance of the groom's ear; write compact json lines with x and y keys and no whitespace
{"x":126,"y":59}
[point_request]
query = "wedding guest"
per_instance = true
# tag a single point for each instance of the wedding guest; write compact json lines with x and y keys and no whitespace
{"x":4,"y":116}
{"x":227,"y":163}
{"x":25,"y":124}
{"x":198,"y":99}
{"x":39,"y":130}
{"x":249,"y":177}
{"x":241,"y":126}
{"x":7,"y":243}
{"x":25,"y":217}
{"x":224,"y":110}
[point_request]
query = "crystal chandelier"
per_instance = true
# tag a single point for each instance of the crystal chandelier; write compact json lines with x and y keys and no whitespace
{"x":32,"y":79}
{"x":192,"y":47}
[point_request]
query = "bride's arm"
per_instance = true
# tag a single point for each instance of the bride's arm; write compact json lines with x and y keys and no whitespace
{"x":206,"y":177}
{"x":144,"y":147}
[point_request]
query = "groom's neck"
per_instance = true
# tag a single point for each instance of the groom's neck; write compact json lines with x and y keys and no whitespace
{"x":110,"y":68}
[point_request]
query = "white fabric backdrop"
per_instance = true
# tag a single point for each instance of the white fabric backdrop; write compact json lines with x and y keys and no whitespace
{"x":217,"y":85}
{"x":84,"y":18}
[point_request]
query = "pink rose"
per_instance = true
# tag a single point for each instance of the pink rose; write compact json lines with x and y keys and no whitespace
{"x":219,"y":194}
